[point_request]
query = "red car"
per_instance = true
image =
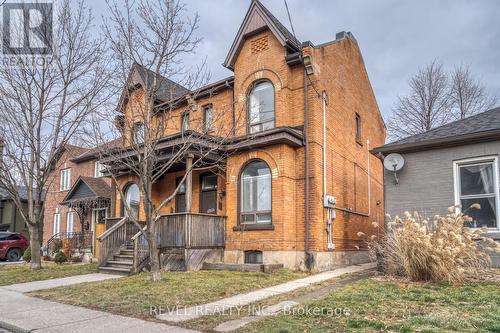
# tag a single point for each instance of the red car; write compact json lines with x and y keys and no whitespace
{"x":12,"y":245}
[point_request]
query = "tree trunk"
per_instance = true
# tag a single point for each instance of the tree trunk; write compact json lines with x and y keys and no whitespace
{"x":35,"y":244}
{"x":154,"y":257}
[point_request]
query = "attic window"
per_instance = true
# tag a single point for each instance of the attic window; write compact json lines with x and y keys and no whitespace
{"x":260,"y":44}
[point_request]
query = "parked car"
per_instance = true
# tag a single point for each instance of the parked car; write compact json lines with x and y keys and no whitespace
{"x":12,"y":245}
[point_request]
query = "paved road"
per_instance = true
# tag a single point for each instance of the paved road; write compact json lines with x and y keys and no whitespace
{"x":5,"y":263}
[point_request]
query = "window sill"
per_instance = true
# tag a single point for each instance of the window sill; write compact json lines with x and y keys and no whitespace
{"x":251,"y":227}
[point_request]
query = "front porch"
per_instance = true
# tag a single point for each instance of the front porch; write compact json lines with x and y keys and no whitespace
{"x":185,"y":240}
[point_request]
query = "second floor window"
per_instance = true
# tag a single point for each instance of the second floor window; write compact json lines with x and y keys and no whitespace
{"x":138,"y":133}
{"x":208,"y":118}
{"x":65,"y":182}
{"x":261,"y":107}
{"x":185,"y":122}
{"x":98,"y":169}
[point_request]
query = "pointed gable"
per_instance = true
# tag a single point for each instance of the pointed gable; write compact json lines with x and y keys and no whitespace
{"x":257,"y":19}
{"x":88,"y":188}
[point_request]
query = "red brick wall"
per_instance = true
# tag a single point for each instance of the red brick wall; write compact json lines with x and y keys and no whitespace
{"x":54,"y":196}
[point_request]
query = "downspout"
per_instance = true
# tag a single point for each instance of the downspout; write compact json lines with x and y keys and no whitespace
{"x":308,"y":259}
{"x":323,"y":95}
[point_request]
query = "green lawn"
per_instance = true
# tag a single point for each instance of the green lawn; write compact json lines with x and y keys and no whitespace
{"x":134,"y":295}
{"x":376,"y":306}
{"x":11,"y":274}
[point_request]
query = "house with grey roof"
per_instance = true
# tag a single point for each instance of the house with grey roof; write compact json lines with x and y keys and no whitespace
{"x":454,"y":164}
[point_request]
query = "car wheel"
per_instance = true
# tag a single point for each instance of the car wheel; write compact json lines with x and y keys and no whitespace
{"x":14,"y":255}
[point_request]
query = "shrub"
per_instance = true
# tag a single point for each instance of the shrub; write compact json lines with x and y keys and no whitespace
{"x":60,"y":257}
{"x":56,"y":246}
{"x":67,"y":248}
{"x":27,"y":254}
{"x":441,"y":250}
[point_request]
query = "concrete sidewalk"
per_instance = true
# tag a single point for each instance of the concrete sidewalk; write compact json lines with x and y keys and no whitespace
{"x":224,"y":305}
{"x":21,"y":313}
{"x":53,"y":283}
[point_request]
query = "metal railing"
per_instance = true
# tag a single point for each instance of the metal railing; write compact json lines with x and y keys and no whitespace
{"x":115,"y":237}
{"x":78,"y":240}
{"x":191,"y":230}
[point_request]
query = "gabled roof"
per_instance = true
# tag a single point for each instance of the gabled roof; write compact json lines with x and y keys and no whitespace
{"x":88,"y":188}
{"x":93,"y":153}
{"x":256,"y":19}
{"x":141,"y":76}
{"x":481,"y":127}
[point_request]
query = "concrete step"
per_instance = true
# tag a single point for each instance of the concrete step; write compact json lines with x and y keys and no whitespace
{"x":115,"y":270}
{"x":122,"y":263}
{"x":125,"y":251}
{"x":119,"y":257}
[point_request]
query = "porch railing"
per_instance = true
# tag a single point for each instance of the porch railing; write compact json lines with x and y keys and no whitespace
{"x":191,"y":230}
{"x":115,"y":237}
{"x":141,"y":250}
{"x":78,"y":240}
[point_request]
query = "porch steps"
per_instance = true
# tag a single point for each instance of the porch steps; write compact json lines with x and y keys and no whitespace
{"x":122,"y":262}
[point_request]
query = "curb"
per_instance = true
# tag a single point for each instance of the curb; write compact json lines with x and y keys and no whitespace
{"x":12,"y":328}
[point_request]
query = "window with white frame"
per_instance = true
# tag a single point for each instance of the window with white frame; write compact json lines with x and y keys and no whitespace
{"x":57,"y":224}
{"x":98,"y":169}
{"x":70,"y":218}
{"x":476,"y":183}
{"x":65,"y":179}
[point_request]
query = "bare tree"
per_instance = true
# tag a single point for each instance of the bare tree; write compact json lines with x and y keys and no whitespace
{"x":426,"y":106}
{"x":43,"y":104}
{"x":152,"y":37}
{"x":468,"y":95}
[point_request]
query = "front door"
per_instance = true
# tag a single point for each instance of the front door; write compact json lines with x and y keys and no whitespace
{"x":208,"y":196}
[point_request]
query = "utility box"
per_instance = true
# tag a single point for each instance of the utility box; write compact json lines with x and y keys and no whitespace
{"x":329,"y":201}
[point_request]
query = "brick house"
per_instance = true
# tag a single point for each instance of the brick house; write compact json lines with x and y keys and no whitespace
{"x":77,"y":197}
{"x":299,"y":183}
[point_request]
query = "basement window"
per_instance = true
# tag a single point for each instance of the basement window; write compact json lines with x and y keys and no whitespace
{"x":253,"y":257}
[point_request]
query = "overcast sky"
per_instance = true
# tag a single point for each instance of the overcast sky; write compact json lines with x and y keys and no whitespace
{"x":396,"y":37}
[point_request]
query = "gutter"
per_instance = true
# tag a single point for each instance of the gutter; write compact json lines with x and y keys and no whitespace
{"x":477,"y":137}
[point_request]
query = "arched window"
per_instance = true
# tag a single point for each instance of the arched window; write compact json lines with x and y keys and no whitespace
{"x":261,"y":107}
{"x":255,"y":193}
{"x":132,"y":197}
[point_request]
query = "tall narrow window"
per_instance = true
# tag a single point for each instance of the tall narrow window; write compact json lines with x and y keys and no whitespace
{"x":70,"y":221}
{"x":132,"y":197}
{"x":476,"y":182}
{"x":65,"y":182}
{"x":98,"y":169}
{"x":180,"y":198}
{"x":56,"y":228}
{"x":208,"y":197}
{"x":138,"y":134}
{"x":261,"y":107}
{"x":185,"y":122}
{"x":255,"y":193}
{"x":358,"y":128}
{"x":208,"y":118}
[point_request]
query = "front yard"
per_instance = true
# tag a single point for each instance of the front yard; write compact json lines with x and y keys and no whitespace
{"x":381,"y":306}
{"x":21,"y":273}
{"x":134,"y":295}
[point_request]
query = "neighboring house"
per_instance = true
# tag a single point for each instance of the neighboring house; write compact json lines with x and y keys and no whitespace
{"x":454,"y":164}
{"x":10,"y":217}
{"x":78,"y":196}
{"x":271,"y":211}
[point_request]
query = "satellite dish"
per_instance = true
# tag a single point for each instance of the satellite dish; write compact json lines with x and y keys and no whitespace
{"x":394,"y":162}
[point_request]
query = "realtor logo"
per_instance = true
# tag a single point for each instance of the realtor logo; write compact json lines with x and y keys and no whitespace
{"x":27,"y":28}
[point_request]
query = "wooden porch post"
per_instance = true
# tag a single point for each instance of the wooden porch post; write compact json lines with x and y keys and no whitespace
{"x":189,"y":183}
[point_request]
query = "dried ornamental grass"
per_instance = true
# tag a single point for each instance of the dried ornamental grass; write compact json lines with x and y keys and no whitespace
{"x":441,"y":250}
